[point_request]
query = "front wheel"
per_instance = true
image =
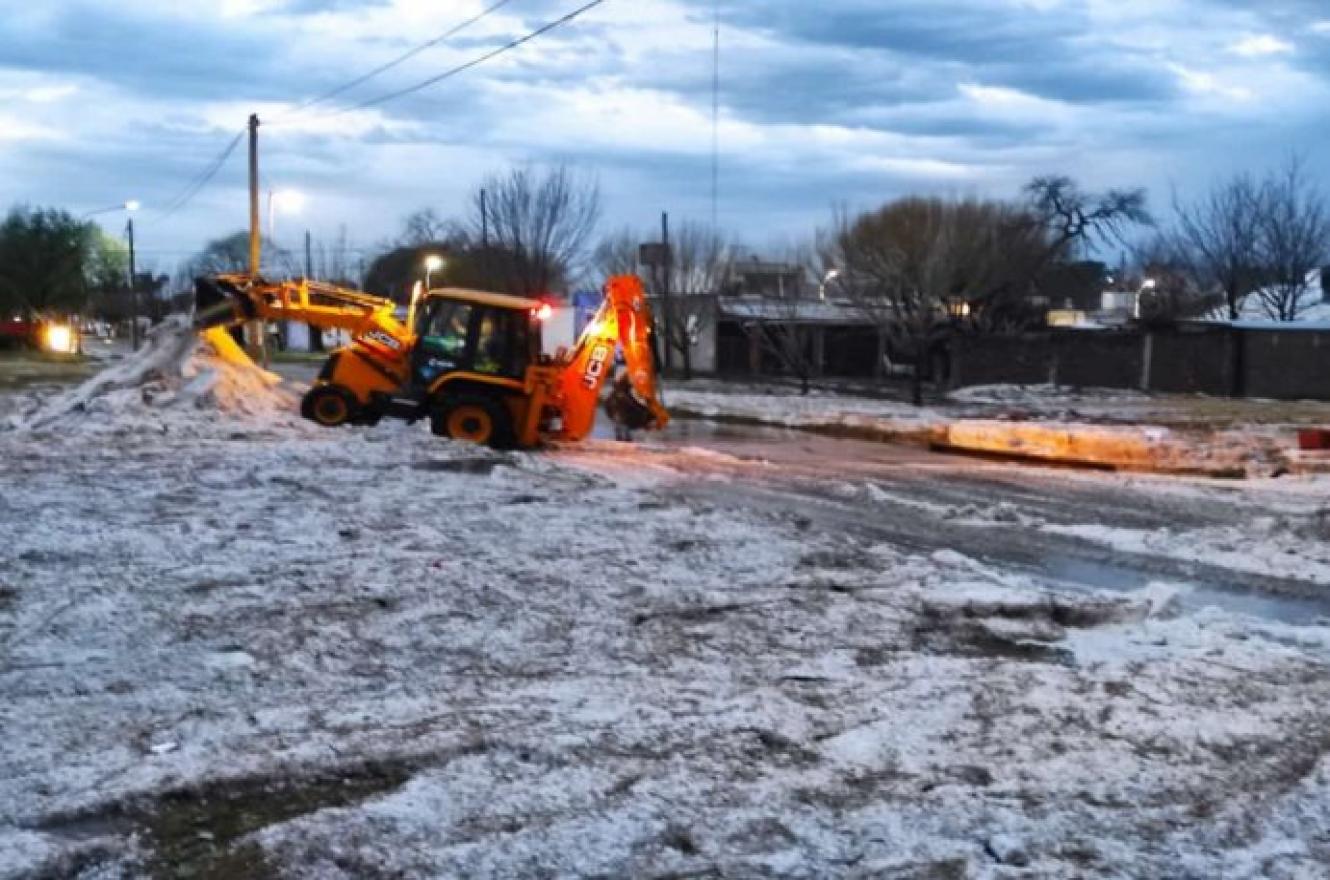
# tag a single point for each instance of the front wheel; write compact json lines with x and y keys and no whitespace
{"x":329,"y":405}
{"x":474,"y":420}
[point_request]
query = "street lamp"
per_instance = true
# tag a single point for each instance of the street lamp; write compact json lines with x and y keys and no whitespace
{"x":433,"y":263}
{"x":289,"y":201}
{"x":827,"y":279}
{"x":1149,"y":285}
{"x":129,"y":207}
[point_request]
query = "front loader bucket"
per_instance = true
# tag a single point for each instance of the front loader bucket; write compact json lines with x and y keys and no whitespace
{"x":219,"y":301}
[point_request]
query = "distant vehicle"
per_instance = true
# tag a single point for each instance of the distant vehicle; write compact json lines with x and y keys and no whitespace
{"x":50,"y":335}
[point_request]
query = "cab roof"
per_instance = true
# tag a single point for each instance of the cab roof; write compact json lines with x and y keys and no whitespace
{"x":485,"y":297}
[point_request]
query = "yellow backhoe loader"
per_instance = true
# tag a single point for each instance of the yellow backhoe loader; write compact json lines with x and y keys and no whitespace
{"x":469,"y":361}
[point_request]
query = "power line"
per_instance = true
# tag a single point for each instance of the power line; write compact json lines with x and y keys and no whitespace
{"x":475,"y":62}
{"x":400,"y":59}
{"x":201,"y":180}
{"x":197,"y":185}
{"x":202,"y":177}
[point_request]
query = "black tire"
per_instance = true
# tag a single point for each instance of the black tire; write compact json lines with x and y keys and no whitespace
{"x":475,"y":418}
{"x":369,"y":416}
{"x":330,"y":406}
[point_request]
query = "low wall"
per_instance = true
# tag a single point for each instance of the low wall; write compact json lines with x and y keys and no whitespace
{"x":1282,"y":364}
{"x":1097,"y":360}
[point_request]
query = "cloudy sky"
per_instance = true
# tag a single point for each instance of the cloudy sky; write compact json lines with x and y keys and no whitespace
{"x":822,"y":103}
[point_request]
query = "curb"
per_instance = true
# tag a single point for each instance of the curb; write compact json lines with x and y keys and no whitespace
{"x":1144,"y":449}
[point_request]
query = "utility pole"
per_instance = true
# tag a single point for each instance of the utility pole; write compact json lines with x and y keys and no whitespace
{"x":665,"y":295}
{"x":133,"y":288}
{"x":315,"y":334}
{"x":255,"y":233}
{"x":484,"y":219}
{"x":254,"y":329}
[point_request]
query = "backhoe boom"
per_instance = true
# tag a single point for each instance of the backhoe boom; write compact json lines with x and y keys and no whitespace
{"x":469,"y":361}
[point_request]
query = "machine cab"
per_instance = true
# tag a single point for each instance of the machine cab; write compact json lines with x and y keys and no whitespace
{"x":482,"y":335}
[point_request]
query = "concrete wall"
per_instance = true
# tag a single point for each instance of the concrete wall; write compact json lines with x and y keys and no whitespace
{"x":997,"y":360}
{"x":1286,"y":365}
{"x":1197,"y":361}
{"x":1290,"y":364}
{"x":1097,"y":360}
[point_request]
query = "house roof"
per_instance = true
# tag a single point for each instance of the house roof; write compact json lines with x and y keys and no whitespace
{"x":1313,"y":309}
{"x":803,"y":311}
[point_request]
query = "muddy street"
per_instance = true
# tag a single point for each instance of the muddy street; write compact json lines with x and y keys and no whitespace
{"x":1008,"y":514}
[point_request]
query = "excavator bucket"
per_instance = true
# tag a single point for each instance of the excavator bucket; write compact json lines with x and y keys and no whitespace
{"x":221,"y":301}
{"x":623,"y":322}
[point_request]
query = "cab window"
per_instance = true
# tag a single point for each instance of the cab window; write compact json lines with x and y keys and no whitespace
{"x":501,"y":343}
{"x":444,"y":331}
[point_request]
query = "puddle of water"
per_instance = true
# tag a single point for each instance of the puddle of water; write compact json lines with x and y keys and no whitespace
{"x":197,"y":833}
{"x":1067,"y":571}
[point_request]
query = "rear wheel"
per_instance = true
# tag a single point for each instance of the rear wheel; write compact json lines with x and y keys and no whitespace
{"x":475,"y":420}
{"x":329,"y":405}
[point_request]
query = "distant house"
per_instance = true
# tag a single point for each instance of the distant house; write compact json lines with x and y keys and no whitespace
{"x":754,"y":277}
{"x":1075,"y":287}
{"x":1313,"y":306}
{"x":839,"y":340}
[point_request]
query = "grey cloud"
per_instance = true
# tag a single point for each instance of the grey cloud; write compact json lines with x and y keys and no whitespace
{"x":858,"y":63}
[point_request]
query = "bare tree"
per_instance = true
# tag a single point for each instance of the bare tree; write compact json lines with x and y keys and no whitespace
{"x":1169,"y":290}
{"x":1218,"y":237}
{"x":231,"y":254}
{"x":788,"y":328}
{"x":1295,"y":239}
{"x":532,"y":229}
{"x":700,"y":263}
{"x":1074,"y":218}
{"x":901,"y":270}
{"x":783,"y":333}
{"x":617,"y":254}
{"x":923,"y":269}
{"x":423,"y":227}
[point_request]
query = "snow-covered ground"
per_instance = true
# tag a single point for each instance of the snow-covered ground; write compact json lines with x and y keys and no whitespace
{"x":1122,"y":429}
{"x":783,"y":404}
{"x":238,"y":646}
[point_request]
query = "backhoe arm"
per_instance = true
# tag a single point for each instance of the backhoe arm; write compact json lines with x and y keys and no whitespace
{"x":227,"y":300}
{"x":624,"y":319}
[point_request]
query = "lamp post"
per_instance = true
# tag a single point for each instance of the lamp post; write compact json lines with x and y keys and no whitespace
{"x":1149,"y":285}
{"x":827,"y":279}
{"x":129,"y":208}
{"x":133,"y":287}
{"x":433,"y":263}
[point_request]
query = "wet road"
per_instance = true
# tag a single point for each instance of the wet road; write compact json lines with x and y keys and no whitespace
{"x":992,"y":512}
{"x":925,"y":502}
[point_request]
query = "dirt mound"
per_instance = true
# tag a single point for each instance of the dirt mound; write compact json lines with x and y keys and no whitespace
{"x":176,"y":375}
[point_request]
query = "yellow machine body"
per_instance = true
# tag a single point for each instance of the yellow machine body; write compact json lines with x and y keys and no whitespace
{"x":468,"y":360}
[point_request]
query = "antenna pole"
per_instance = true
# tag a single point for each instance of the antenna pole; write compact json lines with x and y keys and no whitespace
{"x":715,"y":119}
